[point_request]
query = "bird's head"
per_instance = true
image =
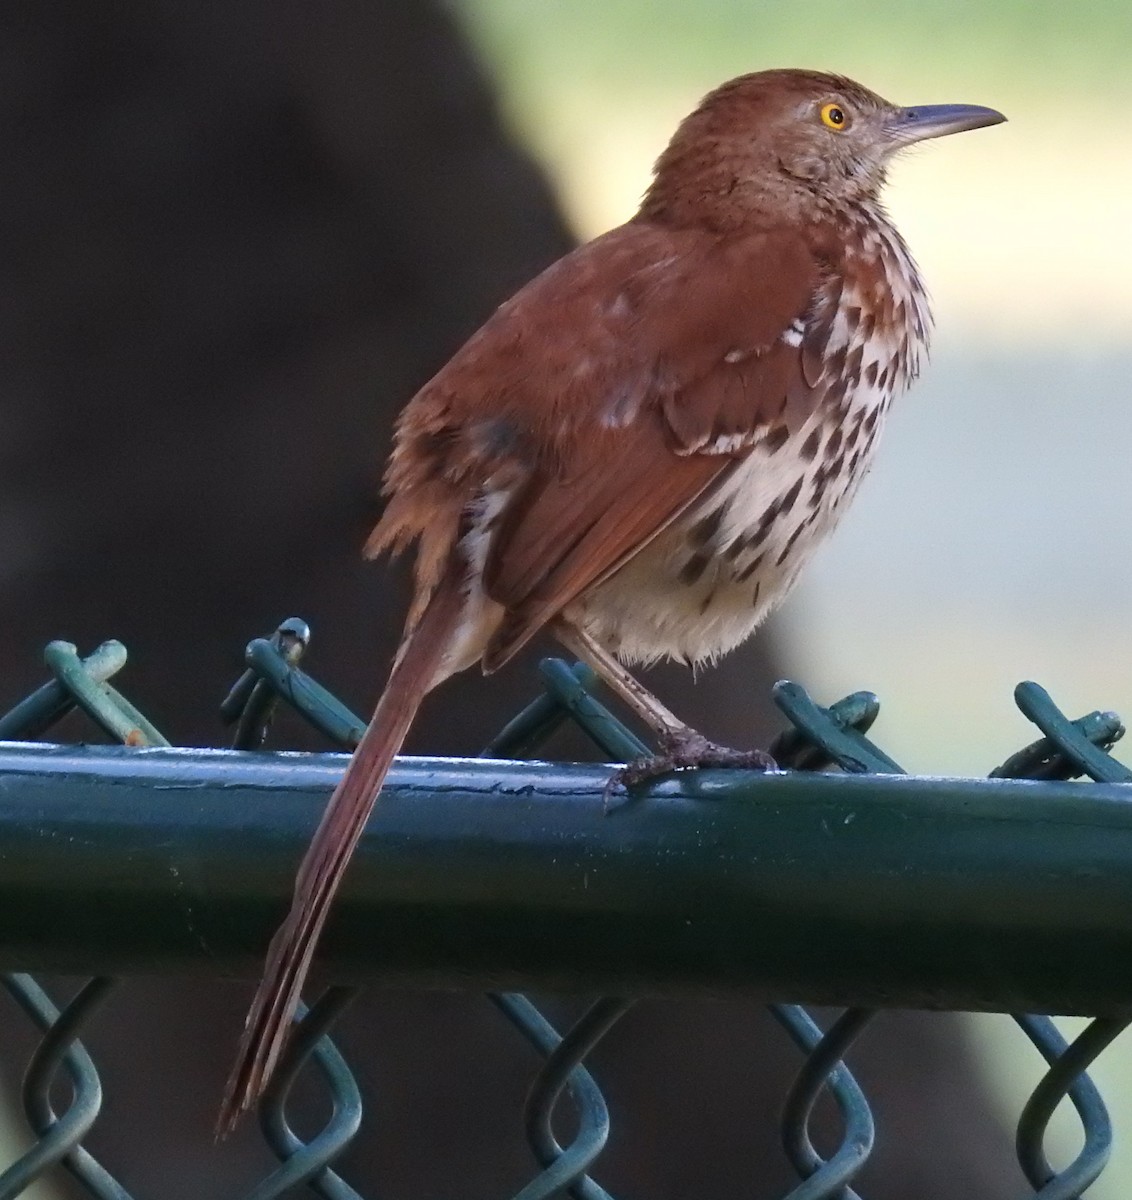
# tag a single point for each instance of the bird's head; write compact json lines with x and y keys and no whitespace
{"x":791,"y":142}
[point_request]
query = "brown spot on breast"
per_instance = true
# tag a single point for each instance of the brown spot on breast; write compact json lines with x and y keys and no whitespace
{"x":825,"y":473}
{"x":853,"y":364}
{"x":765,"y":525}
{"x":785,"y":554}
{"x":835,"y":363}
{"x":706,"y":528}
{"x":763,"y":528}
{"x":788,"y":498}
{"x":833,"y":446}
{"x":775,"y":439}
{"x":854,"y":430}
{"x":691,"y":571}
{"x":835,"y":393}
{"x":871,"y":373}
{"x":750,"y":569}
{"x":810,"y":445}
{"x":871,"y":419}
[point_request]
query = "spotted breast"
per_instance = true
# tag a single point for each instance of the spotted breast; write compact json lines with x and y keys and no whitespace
{"x":703,"y":584}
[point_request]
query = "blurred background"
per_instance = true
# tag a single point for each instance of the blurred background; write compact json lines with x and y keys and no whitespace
{"x":234,"y":239}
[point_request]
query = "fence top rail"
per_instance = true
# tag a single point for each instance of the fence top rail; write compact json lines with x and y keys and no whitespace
{"x":882,"y":890}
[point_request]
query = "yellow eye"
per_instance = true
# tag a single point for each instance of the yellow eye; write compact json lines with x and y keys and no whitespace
{"x":833,"y":116}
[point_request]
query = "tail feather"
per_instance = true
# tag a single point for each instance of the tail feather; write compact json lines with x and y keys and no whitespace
{"x":268,"y":1023}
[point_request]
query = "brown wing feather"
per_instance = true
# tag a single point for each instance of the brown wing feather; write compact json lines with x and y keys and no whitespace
{"x":569,"y":533}
{"x":711,"y":380}
{"x":600,"y":402}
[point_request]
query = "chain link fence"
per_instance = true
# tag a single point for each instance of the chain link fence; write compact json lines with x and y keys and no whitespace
{"x":840,"y":881}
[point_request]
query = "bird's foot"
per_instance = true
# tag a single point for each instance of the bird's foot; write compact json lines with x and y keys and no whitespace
{"x":681,"y":750}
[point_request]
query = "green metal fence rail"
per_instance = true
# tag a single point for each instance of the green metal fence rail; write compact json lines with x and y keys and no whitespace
{"x":838,"y":881}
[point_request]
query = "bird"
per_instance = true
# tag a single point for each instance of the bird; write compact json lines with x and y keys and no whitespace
{"x":639,"y":451}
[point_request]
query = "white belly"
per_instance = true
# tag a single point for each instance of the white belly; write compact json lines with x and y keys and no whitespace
{"x":703,"y":585}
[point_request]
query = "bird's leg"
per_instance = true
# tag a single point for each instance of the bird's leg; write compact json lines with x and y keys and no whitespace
{"x":680,"y":745}
{"x":630,"y":689}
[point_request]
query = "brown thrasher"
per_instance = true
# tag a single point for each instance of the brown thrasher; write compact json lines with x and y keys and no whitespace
{"x":641,"y":449}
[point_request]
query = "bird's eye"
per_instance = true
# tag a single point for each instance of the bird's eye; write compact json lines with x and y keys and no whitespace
{"x":833,"y":116}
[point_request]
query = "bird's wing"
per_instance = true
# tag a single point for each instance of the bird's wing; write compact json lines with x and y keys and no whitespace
{"x":606,"y":397}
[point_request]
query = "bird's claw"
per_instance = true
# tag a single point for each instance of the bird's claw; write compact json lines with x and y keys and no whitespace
{"x":679,"y":751}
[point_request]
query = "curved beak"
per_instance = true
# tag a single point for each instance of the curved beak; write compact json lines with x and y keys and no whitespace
{"x":918,"y":124}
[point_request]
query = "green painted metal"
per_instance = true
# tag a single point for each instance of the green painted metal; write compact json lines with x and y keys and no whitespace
{"x":861,"y":890}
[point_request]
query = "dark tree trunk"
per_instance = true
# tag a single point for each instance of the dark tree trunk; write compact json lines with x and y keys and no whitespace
{"x":234,"y":239}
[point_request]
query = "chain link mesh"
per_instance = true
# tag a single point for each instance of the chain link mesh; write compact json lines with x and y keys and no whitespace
{"x":818,"y":739}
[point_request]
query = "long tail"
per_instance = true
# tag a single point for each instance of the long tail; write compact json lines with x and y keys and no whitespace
{"x":268,"y":1023}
